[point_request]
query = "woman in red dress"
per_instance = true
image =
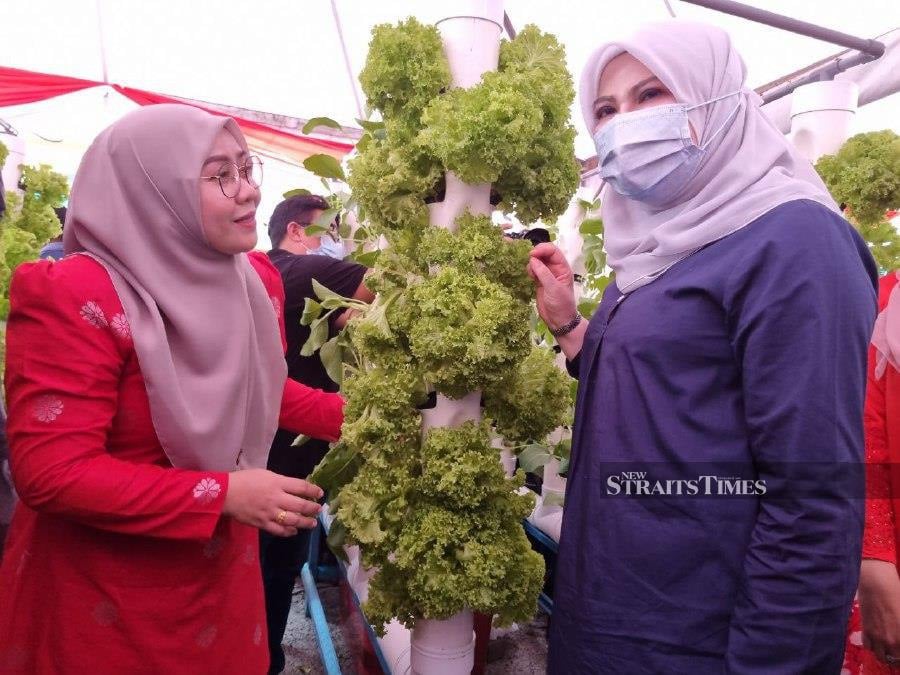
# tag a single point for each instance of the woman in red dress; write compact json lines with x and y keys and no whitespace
{"x":145,"y":379}
{"x":873,"y":645}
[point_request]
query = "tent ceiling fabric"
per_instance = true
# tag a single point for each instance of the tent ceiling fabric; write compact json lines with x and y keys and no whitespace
{"x":284,"y":56}
{"x":19,"y":87}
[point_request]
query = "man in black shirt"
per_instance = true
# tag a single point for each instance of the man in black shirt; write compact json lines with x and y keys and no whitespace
{"x":300,"y":258}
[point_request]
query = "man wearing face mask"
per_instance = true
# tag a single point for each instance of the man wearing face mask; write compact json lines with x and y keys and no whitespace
{"x":300,"y":258}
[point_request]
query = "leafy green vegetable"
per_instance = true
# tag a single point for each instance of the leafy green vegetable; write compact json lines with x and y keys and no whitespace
{"x":533,"y":401}
{"x":434,"y":513}
{"x":468,"y":331}
{"x":29,"y":221}
{"x":319,"y":122}
{"x":324,"y":166}
{"x":865,"y":175}
{"x":511,"y":129}
{"x":406,"y":68}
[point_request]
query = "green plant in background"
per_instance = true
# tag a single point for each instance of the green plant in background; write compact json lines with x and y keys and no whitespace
{"x":433,"y":511}
{"x":865,"y":175}
{"x":29,"y":221}
{"x":597,"y":275}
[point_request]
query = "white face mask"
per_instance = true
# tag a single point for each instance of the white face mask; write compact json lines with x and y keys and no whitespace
{"x":333,"y":248}
{"x":649,"y":155}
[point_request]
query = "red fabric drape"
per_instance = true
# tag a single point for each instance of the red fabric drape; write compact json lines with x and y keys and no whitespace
{"x":252,"y":130}
{"x":18,"y":87}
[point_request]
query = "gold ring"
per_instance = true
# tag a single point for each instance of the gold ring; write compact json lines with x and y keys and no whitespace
{"x":280,"y":517}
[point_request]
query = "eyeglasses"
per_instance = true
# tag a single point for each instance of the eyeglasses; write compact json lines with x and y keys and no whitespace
{"x":230,"y":174}
{"x":332,"y":230}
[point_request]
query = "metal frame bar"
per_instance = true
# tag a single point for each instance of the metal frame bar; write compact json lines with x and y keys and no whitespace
{"x":340,"y":32}
{"x":826,"y":71}
{"x":507,"y":24}
{"x":871,"y":47}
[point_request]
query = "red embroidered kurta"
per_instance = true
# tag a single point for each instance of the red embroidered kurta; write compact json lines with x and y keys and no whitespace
{"x":882,"y":533}
{"x":117,"y":562}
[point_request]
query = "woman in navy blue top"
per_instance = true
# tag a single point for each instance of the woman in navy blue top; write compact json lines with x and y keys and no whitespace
{"x":714,"y":507}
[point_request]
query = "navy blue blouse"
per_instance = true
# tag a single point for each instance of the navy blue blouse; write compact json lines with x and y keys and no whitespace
{"x":714,"y":508}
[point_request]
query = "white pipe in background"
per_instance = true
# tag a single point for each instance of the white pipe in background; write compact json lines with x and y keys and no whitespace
{"x":822,"y":116}
{"x":11,"y":172}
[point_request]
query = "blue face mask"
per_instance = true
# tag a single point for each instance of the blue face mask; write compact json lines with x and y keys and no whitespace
{"x":330,"y":247}
{"x":648,"y":155}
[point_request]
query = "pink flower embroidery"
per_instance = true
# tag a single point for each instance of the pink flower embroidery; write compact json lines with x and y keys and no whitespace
{"x":105,"y":613}
{"x":207,"y":490}
{"x":207,"y":636}
{"x":276,"y":305}
{"x":214,"y":547}
{"x":47,"y":409}
{"x":120,"y":326}
{"x":93,"y":314}
{"x":257,"y":635}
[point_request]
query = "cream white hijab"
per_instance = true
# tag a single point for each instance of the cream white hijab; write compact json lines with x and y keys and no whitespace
{"x":748,"y":169}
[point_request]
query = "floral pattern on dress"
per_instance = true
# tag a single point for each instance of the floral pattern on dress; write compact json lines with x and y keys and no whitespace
{"x":93,"y":314}
{"x":207,"y":490}
{"x":207,"y":636}
{"x":121,"y":326}
{"x":213,"y":547}
{"x":105,"y":613}
{"x":23,"y":562}
{"x":257,"y":635}
{"x":276,"y":305}
{"x":47,"y":409}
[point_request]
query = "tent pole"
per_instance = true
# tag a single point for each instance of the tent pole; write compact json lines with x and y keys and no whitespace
{"x":340,"y":32}
{"x":102,"y":42}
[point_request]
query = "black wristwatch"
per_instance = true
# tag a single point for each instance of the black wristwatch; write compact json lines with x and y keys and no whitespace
{"x":567,"y":328}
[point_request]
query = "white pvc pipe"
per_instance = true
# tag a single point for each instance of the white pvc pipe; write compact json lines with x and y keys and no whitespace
{"x":507,"y":457}
{"x":444,"y":647}
{"x":470,"y":32}
{"x":11,"y":172}
{"x":548,"y":519}
{"x":471,"y":36}
{"x":458,"y":198}
{"x":452,"y":413}
{"x":822,"y":116}
{"x":396,"y":646}
{"x":552,"y":481}
{"x":508,"y":462}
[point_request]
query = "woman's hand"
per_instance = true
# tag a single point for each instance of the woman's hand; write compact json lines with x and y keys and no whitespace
{"x":277,"y":504}
{"x":879,"y":604}
{"x":555,"y":285}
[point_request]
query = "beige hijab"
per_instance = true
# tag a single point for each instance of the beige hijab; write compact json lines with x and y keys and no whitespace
{"x":203,"y":325}
{"x":749,"y":168}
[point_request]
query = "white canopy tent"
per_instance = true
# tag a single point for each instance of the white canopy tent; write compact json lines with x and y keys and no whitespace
{"x":301,"y":59}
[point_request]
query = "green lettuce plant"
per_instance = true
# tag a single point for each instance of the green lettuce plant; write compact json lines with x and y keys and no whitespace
{"x":432,"y":510}
{"x":29,"y":221}
{"x":865,"y":176}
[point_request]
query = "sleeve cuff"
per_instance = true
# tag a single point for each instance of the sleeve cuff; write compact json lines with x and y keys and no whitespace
{"x":573,"y":365}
